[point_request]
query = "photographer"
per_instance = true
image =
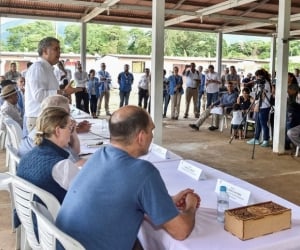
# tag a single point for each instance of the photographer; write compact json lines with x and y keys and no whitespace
{"x":262,"y":107}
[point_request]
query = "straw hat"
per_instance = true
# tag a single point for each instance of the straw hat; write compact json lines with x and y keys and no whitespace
{"x":8,"y":91}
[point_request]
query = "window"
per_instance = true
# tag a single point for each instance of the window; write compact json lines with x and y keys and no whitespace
{"x":138,"y":66}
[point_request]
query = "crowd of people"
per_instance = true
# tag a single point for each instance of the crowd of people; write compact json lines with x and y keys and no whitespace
{"x":38,"y":99}
{"x":49,"y":153}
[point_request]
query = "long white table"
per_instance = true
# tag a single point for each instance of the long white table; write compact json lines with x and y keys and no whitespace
{"x":208,"y":233}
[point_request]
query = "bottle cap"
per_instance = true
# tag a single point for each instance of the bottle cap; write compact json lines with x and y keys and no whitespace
{"x":223,"y":188}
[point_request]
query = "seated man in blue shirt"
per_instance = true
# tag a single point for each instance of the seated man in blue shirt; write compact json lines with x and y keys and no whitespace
{"x":226,"y":102}
{"x":115,"y":191}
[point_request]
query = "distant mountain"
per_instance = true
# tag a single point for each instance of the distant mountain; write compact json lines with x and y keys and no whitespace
{"x":7,"y":23}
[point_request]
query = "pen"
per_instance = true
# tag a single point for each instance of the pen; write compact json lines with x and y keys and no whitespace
{"x":95,"y":145}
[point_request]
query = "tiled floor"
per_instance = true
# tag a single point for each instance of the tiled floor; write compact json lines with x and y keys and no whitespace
{"x":277,"y":174}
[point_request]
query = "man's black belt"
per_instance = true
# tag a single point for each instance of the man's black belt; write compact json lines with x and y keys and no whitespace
{"x":191,"y":88}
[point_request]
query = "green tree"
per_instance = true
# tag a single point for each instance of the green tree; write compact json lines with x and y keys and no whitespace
{"x":72,"y":38}
{"x":140,"y":42}
{"x":25,"y":37}
{"x":188,"y":43}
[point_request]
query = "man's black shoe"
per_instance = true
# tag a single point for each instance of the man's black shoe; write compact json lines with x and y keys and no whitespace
{"x":212,"y":128}
{"x":193,"y":126}
{"x":185,"y":116}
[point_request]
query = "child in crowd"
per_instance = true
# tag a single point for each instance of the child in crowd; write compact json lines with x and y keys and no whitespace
{"x":236,"y":122}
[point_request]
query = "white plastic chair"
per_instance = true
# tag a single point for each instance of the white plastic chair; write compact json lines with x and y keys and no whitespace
{"x":14,"y":159}
{"x":14,"y":135}
{"x":5,"y":184}
{"x":23,"y":193}
{"x":49,"y":233}
{"x":297,"y":151}
{"x":2,"y":131}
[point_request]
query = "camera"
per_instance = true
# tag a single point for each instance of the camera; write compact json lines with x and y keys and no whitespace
{"x":260,"y":81}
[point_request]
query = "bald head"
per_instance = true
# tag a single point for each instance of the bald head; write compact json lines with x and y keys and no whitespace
{"x":126,"y":122}
{"x":56,"y":101}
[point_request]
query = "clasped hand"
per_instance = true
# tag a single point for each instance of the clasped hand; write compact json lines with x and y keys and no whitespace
{"x":186,"y":199}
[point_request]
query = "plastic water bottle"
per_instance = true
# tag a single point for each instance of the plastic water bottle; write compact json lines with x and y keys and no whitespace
{"x":223,"y":204}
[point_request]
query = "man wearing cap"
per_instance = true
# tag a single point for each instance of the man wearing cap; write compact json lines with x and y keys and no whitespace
{"x":9,"y":107}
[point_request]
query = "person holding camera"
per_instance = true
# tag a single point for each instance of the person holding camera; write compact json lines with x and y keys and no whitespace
{"x":262,"y":107}
{"x":192,"y":83}
{"x":175,"y":90}
{"x":81,"y":80}
{"x":212,"y":83}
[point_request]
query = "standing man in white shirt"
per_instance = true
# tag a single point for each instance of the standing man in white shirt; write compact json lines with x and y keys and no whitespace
{"x":104,"y":89}
{"x":212,"y":83}
{"x":81,"y":80}
{"x":144,"y":86}
{"x":12,"y":74}
{"x":192,"y":77}
{"x":41,"y":81}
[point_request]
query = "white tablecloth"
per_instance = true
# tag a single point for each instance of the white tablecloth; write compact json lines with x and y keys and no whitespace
{"x":78,"y":114}
{"x":208,"y":233}
{"x":99,"y":133}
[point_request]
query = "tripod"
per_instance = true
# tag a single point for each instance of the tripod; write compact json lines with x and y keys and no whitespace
{"x":260,"y":93}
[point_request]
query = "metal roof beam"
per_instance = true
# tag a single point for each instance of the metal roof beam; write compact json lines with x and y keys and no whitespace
{"x":294,"y":18}
{"x":70,"y":2}
{"x":209,"y":10}
{"x":96,"y":11}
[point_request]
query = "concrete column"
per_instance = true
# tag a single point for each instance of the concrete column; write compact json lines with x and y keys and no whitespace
{"x":157,"y":66}
{"x":83,"y":46}
{"x":273,"y":56}
{"x":282,"y":72}
{"x":219,"y":53}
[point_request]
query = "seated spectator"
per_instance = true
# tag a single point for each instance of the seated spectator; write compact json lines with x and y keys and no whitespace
{"x":47,"y":165}
{"x":293,"y":111}
{"x":225,"y":102}
{"x":9,"y":106}
{"x":106,"y":205}
{"x":294,"y":135}
{"x":73,"y":147}
{"x":245,"y":100}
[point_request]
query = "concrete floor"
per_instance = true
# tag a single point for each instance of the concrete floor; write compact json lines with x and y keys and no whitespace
{"x":279,"y":174}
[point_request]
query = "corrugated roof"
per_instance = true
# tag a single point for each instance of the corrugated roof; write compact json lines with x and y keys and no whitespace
{"x":232,"y":16}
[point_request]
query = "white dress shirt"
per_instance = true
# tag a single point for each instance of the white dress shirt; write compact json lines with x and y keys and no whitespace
{"x":40,"y":83}
{"x":81,"y":79}
{"x":12,"y":111}
{"x":212,"y":87}
{"x":64,"y":173}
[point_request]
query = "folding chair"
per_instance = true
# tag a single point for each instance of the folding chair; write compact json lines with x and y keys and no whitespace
{"x":49,"y":233}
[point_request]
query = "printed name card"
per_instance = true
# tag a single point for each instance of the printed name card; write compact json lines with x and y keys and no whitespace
{"x":191,"y":170}
{"x":160,"y":151}
{"x":236,"y":194}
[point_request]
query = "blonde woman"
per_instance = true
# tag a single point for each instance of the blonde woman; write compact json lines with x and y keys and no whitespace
{"x":47,"y":165}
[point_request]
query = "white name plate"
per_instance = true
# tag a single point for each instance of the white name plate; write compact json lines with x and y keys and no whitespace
{"x":236,"y":194}
{"x":160,"y":151}
{"x":191,"y":170}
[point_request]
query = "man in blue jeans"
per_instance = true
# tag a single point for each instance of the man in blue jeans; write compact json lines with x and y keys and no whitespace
{"x":125,"y":81}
